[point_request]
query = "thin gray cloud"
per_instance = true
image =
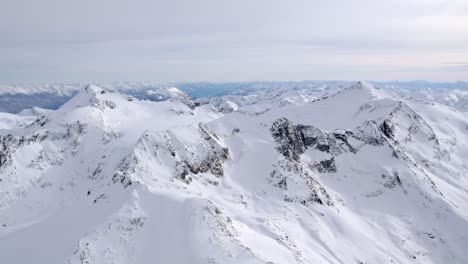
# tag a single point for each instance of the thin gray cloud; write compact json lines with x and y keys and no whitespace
{"x":220,"y":40}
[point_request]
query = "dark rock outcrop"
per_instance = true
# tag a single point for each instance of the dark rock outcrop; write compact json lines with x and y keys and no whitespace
{"x":370,"y":133}
{"x":325,"y":166}
{"x":283,"y":177}
{"x":293,"y":140}
{"x":388,"y":128}
{"x":198,"y":155}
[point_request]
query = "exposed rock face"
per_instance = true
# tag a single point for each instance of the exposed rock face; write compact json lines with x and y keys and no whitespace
{"x":7,"y":145}
{"x":325,"y":166}
{"x":388,"y":129}
{"x":400,"y":124}
{"x":284,"y":176}
{"x":370,"y":133}
{"x":293,"y":140}
{"x":214,"y":158}
{"x":205,"y":153}
{"x":400,"y":130}
{"x":412,"y":123}
{"x":124,"y":172}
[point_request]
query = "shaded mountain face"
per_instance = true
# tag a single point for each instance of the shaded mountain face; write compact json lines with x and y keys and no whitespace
{"x":350,"y":174}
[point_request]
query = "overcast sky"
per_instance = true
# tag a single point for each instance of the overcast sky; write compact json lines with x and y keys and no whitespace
{"x":236,"y":40}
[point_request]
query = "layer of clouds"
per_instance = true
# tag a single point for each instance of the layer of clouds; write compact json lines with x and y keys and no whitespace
{"x":184,"y":40}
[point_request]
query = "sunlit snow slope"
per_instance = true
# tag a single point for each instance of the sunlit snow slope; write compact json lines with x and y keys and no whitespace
{"x":357,"y":175}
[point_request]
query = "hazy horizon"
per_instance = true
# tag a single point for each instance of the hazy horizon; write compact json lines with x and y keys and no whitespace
{"x":224,"y":41}
{"x":110,"y":82}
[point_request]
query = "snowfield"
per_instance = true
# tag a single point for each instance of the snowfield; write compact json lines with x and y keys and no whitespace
{"x":345,"y":173}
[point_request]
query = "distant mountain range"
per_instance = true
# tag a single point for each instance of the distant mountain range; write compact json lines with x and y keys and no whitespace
{"x":15,"y":98}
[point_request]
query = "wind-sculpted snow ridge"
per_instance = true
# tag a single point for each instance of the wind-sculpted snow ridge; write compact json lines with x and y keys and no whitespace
{"x":261,"y":98}
{"x":349,"y":174}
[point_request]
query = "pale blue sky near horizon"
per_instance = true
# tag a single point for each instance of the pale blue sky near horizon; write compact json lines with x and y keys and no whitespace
{"x":220,"y":40}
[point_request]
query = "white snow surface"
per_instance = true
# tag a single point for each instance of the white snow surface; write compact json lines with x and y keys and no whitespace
{"x":354,"y":175}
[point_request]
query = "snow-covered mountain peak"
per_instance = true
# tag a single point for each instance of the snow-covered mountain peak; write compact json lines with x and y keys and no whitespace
{"x":111,"y":109}
{"x":176,"y":91}
{"x":90,"y":95}
{"x":361,"y":92}
{"x":271,"y":176}
{"x":362,"y":85}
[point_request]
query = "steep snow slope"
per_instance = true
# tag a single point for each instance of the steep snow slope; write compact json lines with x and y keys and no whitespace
{"x":8,"y":121}
{"x":349,"y":175}
{"x":378,"y":161}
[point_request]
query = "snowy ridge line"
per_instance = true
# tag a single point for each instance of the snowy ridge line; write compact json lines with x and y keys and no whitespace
{"x":331,"y":173}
